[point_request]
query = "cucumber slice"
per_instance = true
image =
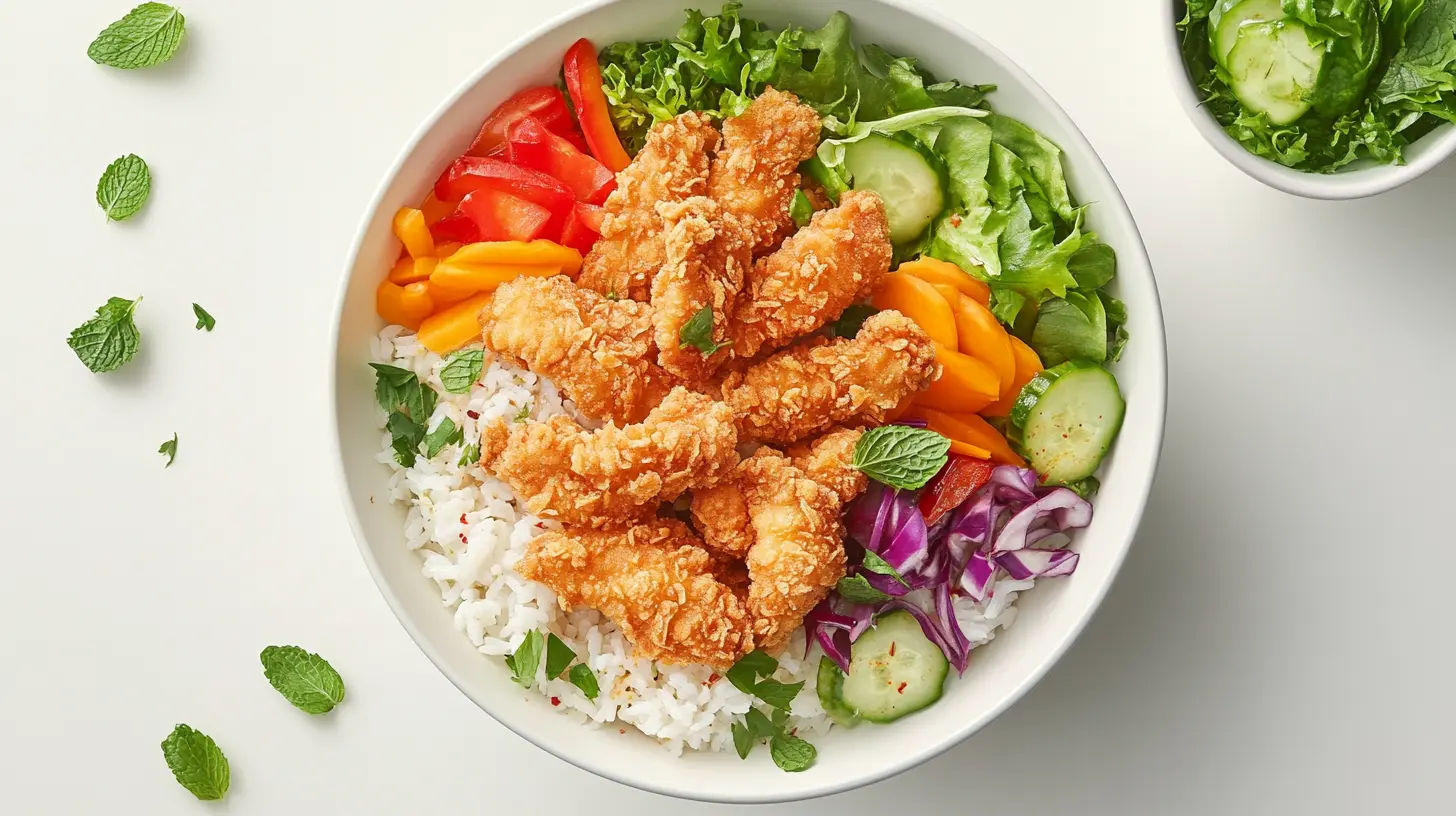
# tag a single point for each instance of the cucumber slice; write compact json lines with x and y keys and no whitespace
{"x":1274,"y":68}
{"x":1228,"y":16}
{"x":830,"y":687}
{"x":910,"y":179}
{"x":894,"y":670}
{"x":1068,"y":416}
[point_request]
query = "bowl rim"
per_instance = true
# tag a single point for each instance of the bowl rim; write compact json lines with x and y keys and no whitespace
{"x":1152,"y":333}
{"x":1342,"y":185}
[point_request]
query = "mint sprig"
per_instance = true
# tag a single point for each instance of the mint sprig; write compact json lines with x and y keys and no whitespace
{"x":204,"y":320}
{"x":124,"y":187}
{"x":463,"y":371}
{"x":585,"y":679}
{"x":303,"y":678}
{"x":148,"y":35}
{"x":197,"y":762}
{"x":107,"y":341}
{"x":901,"y":456}
{"x":526,"y":659}
{"x":698,"y":333}
{"x":169,"y":450}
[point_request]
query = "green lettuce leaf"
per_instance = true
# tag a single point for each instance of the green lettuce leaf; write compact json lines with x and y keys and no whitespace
{"x":1071,"y":328}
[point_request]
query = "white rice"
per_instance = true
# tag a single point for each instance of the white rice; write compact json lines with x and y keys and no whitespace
{"x":469,"y":531}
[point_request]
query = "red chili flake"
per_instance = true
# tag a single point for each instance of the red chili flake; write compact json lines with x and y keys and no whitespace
{"x":473,"y":414}
{"x":892,"y":648}
{"x":462,"y":539}
{"x":556,"y":701}
{"x":955,"y":219}
{"x":712,"y":678}
{"x":462,"y":518}
{"x":621,"y":730}
{"x":901,"y":689}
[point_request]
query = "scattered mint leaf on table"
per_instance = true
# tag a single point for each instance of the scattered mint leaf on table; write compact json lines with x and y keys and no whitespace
{"x":124,"y":187}
{"x":197,"y":762}
{"x":148,"y":35}
{"x":108,"y":340}
{"x":526,"y":658}
{"x":585,"y":679}
{"x":463,"y":371}
{"x":558,"y":656}
{"x":204,"y":320}
{"x":901,"y":456}
{"x":303,"y":678}
{"x":791,"y":753}
{"x":169,"y":450}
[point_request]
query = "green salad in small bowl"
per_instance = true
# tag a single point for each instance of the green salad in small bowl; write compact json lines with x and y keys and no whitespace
{"x":1323,"y":86}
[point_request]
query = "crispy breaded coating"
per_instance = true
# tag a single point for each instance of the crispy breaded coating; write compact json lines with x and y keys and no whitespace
{"x":821,"y":383}
{"x":598,"y":351}
{"x":756,"y":172}
{"x":706,"y":260}
{"x":613,"y":476}
{"x":653,"y":583}
{"x":671,"y":167}
{"x":828,"y":461}
{"x":720,"y":515}
{"x":837,"y":259}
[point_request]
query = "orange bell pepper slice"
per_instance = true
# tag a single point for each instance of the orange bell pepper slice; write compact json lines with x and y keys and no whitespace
{"x":412,"y":231}
{"x":982,"y":336}
{"x":412,"y":270}
{"x":455,"y":327}
{"x":475,"y":278}
{"x":965,"y":384}
{"x":407,"y":306}
{"x":1028,"y":365}
{"x":518,"y":253}
{"x":970,"y":430}
{"x":584,"y":83}
{"x":934,"y":270}
{"x":917,"y":300}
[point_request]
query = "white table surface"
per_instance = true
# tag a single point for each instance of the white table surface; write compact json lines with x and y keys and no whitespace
{"x":1279,"y":641}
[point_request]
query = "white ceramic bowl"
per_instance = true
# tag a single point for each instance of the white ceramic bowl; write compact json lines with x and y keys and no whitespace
{"x":1357,"y":180}
{"x":1051,"y":616}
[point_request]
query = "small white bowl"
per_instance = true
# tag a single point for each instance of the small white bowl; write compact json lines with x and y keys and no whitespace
{"x":1357,"y":180}
{"x":1050,"y":617}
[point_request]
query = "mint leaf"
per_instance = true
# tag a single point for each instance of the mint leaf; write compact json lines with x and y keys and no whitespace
{"x":446,"y":433}
{"x":527,"y":657}
{"x":169,"y":450}
{"x":779,"y":716}
{"x":108,"y":340}
{"x":791,"y":754}
{"x":469,"y":456}
{"x":124,"y":187}
{"x":558,"y":656}
{"x":405,"y":438}
{"x":745,"y":673}
{"x":523,"y":414}
{"x":853,"y":317}
{"x":759,"y":726}
{"x":698,"y":333}
{"x":857,"y":590}
{"x":463,"y":371}
{"x":800,"y":209}
{"x":585,"y":679}
{"x":742,"y":740}
{"x":879,"y":566}
{"x":197,"y":762}
{"x":148,"y":35}
{"x":398,"y":389}
{"x":776,"y":694}
{"x":204,"y":320}
{"x":901,"y":456}
{"x":303,"y":678}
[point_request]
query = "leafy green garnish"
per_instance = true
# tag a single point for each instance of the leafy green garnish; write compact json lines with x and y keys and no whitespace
{"x":801,"y":209}
{"x":197,"y":762}
{"x":204,"y":320}
{"x":857,"y":590}
{"x":585,"y":679}
{"x":849,"y":323}
{"x":124,"y":187}
{"x":110,"y":339}
{"x":698,"y":333}
{"x":1117,"y":335}
{"x":742,"y":740}
{"x":523,"y":414}
{"x":759,"y":726}
{"x":169,"y":450}
{"x":558,"y":656}
{"x":745,"y":673}
{"x":463,"y":371}
{"x":303,"y":678}
{"x":446,"y":433}
{"x":879,"y":566}
{"x":469,"y":456}
{"x":791,"y":754}
{"x":148,"y":35}
{"x":901,"y":456}
{"x":526,"y":659}
{"x":409,"y":404}
{"x":776,"y":694}
{"x":1071,"y":328}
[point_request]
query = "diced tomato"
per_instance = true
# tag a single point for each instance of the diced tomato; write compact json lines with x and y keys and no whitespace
{"x":456,"y":228}
{"x":472,"y":173}
{"x":583,"y":227}
{"x":503,"y":217}
{"x":545,"y":104}
{"x":532,"y":145}
{"x":961,"y":477}
{"x":584,"y":82}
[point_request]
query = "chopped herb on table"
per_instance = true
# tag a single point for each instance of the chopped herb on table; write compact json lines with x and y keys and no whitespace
{"x":204,"y":320}
{"x":169,"y":450}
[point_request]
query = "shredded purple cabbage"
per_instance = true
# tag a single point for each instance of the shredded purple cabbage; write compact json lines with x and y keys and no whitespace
{"x":1003,"y":528}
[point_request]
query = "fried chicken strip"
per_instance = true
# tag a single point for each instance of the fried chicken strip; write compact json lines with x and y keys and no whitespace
{"x":613,"y":476}
{"x":829,"y":459}
{"x":598,"y":351}
{"x":837,"y":259}
{"x":821,"y":383}
{"x":671,"y":167}
{"x":707,"y":257}
{"x":653,"y":582}
{"x":756,"y":172}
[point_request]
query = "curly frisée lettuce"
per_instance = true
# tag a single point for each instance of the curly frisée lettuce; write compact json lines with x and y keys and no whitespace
{"x":1318,"y":84}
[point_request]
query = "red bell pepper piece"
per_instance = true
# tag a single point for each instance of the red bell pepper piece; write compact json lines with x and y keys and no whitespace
{"x":500,"y":216}
{"x":962,"y":476}
{"x":471,"y":173}
{"x":584,"y":83}
{"x":531,"y":145}
{"x":545,"y":104}
{"x":583,"y":227}
{"x":456,"y":228}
